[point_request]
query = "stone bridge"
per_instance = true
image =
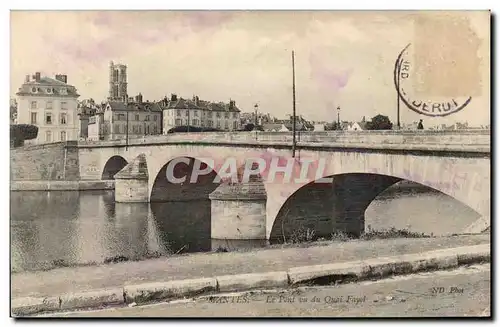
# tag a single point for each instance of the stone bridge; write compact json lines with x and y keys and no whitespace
{"x":362,"y":164}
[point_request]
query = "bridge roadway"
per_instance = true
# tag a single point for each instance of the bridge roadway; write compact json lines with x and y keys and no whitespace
{"x":454,"y":141}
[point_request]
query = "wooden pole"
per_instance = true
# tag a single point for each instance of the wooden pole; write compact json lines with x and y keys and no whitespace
{"x":293,"y":114}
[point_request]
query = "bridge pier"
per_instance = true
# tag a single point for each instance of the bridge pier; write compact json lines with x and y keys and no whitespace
{"x":239,"y":211}
{"x":131,"y":183}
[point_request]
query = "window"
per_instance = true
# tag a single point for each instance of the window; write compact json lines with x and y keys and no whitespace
{"x":63,"y":91}
{"x":147,"y":129}
{"x":147,"y":118}
{"x":121,"y":116}
{"x":33,"y":105}
{"x":196,"y":113}
{"x":154,"y":129}
{"x":235,"y":125}
{"x":235,"y":115}
{"x":155,"y":117}
{"x":195,"y":122}
{"x":63,"y":136}
{"x":48,"y":136}
{"x":64,"y":105}
{"x":63,"y":119}
{"x":136,"y":117}
{"x":218,"y":124}
{"x":33,"y":118}
{"x":140,"y":129}
{"x":178,"y":112}
{"x":48,"y":118}
{"x":226,"y":115}
{"x":116,"y":129}
{"x":49,"y":105}
{"x":227,"y":125}
{"x":210,"y":123}
{"x":187,"y":112}
{"x":178,"y":122}
{"x":209,"y":114}
{"x":218,"y":114}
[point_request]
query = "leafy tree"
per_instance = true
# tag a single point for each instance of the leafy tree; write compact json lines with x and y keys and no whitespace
{"x":379,"y":122}
{"x":22,"y":132}
{"x":248,"y":127}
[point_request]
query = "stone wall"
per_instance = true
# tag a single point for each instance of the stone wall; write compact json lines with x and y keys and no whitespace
{"x":55,"y":161}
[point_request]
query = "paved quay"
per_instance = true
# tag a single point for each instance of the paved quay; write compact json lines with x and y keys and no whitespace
{"x":462,"y":292}
{"x":79,"y":279}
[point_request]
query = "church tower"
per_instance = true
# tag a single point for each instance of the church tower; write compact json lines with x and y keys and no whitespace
{"x":117,"y":82}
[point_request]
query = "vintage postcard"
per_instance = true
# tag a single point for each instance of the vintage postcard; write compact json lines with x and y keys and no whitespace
{"x":250,"y":164}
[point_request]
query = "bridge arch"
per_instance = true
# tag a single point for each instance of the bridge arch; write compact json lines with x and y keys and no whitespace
{"x":113,"y":166}
{"x":176,"y":181}
{"x":337,"y":205}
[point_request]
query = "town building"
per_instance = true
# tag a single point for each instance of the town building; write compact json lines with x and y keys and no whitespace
{"x":178,"y":111}
{"x":86,"y":109}
{"x":51,"y":105}
{"x":125,"y":119}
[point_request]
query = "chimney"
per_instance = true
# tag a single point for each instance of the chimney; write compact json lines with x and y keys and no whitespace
{"x":173,"y":97}
{"x":37,"y":76}
{"x":27,"y":79}
{"x":139,"y":98}
{"x":231,"y":104}
{"x":196,"y":101}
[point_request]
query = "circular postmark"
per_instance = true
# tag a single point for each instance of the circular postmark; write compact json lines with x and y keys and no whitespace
{"x":404,"y":69}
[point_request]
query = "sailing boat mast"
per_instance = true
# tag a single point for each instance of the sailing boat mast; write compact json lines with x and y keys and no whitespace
{"x":293,"y":115}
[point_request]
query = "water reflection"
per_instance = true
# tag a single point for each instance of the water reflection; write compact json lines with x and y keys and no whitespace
{"x":53,"y":229}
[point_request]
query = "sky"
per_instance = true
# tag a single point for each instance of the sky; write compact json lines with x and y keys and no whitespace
{"x":342,"y":59}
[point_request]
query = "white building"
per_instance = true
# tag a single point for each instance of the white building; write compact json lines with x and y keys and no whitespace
{"x":199,"y":113}
{"x":119,"y":120}
{"x":51,"y":105}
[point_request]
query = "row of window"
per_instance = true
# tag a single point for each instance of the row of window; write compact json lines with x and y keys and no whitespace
{"x":48,"y":136}
{"x":210,"y":123}
{"x":209,"y":114}
{"x":136,"y":118}
{"x":63,"y":118}
{"x":136,"y":129}
{"x":48,"y":105}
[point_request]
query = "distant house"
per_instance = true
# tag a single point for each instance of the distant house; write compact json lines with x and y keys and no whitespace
{"x":272,"y":127}
{"x":319,"y":127}
{"x":357,"y":126}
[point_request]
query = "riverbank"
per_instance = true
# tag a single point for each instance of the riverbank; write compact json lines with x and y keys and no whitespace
{"x":79,"y":279}
{"x":18,"y":186}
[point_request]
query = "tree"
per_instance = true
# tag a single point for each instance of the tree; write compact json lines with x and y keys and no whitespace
{"x":22,"y":132}
{"x":332,"y":126}
{"x":379,"y":122}
{"x":248,"y":127}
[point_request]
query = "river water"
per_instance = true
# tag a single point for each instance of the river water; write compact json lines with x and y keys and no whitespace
{"x":54,"y":229}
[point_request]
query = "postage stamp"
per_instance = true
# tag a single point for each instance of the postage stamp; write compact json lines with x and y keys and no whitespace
{"x":250,"y":164}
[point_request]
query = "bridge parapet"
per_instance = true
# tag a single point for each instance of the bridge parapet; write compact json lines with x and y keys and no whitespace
{"x":461,"y":140}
